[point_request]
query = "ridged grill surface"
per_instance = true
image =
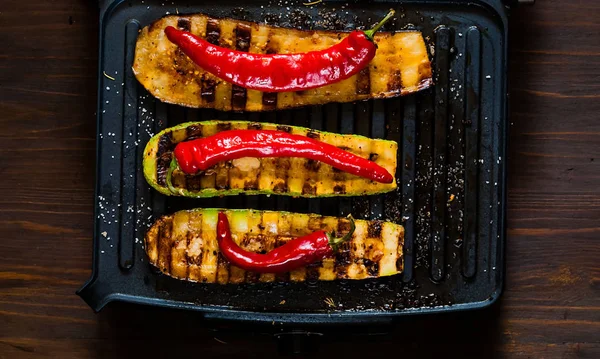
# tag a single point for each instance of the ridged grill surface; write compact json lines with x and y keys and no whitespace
{"x":450,"y":166}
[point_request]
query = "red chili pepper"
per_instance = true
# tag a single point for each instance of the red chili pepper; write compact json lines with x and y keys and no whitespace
{"x":202,"y":153}
{"x":281,"y":72}
{"x":296,"y":253}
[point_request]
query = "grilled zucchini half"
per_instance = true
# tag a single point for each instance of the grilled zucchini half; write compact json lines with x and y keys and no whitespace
{"x":298,"y":177}
{"x":401,"y":65}
{"x":184,"y":245}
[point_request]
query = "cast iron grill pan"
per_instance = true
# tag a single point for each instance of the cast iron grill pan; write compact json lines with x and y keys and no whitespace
{"x":450,"y":196}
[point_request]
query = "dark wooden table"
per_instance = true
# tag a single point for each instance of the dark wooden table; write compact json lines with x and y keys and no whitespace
{"x":551,"y":305}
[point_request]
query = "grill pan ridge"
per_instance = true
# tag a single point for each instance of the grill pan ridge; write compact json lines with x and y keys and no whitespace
{"x":451,"y":163}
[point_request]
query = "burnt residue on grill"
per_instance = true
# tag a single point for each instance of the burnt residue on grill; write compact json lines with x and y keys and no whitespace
{"x":361,"y":207}
{"x":240,"y":13}
{"x":392,"y":206}
{"x":300,"y":19}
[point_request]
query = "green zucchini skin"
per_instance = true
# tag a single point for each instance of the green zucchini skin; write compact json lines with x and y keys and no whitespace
{"x":184,"y":245}
{"x":296,"y":177}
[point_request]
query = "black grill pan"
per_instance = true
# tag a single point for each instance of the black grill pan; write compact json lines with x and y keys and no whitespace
{"x":452,"y":145}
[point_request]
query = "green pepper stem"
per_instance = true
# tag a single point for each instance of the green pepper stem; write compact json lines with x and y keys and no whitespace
{"x":172,"y":167}
{"x":336,"y":242}
{"x":371,"y":33}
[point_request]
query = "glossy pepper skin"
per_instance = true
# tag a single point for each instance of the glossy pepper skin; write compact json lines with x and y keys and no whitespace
{"x":281,"y":72}
{"x":295,"y":254}
{"x":202,"y":153}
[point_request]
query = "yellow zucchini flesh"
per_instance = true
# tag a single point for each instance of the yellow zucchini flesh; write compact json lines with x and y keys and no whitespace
{"x":401,"y":65}
{"x":299,"y":177}
{"x":184,"y":245}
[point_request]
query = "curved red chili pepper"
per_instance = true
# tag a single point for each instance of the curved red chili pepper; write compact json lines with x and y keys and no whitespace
{"x":202,"y":153}
{"x":281,"y":72}
{"x":295,"y":254}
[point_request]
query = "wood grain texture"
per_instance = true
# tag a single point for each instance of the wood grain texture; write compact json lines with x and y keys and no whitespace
{"x":551,"y":305}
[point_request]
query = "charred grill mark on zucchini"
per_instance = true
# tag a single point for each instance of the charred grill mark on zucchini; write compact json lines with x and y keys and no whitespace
{"x":254,"y":126}
{"x":238,"y":98}
{"x":164,"y":245}
{"x":289,"y":176}
{"x":279,"y":241}
{"x":281,"y":175}
{"x":193,"y":132}
{"x":312,"y":271}
{"x":223,"y":269}
{"x":164,"y":144}
{"x":193,"y":182}
{"x":207,"y":88}
{"x":339,"y":189}
{"x":222,"y":176}
{"x":208,"y":84}
{"x":395,"y":83}
{"x":242,"y":36}
{"x":252,"y":184}
{"x":223,"y":126}
{"x":162,"y":166}
{"x":179,"y":245}
{"x":371,"y":267}
{"x":242,"y":43}
{"x":312,"y":165}
{"x":284,"y":128}
{"x":269,"y":100}
{"x":342,"y":261}
{"x":163,"y":156}
{"x":374,"y":229}
{"x":363,"y":82}
{"x":213,"y":31}
{"x":309,"y":188}
{"x":312,"y":134}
